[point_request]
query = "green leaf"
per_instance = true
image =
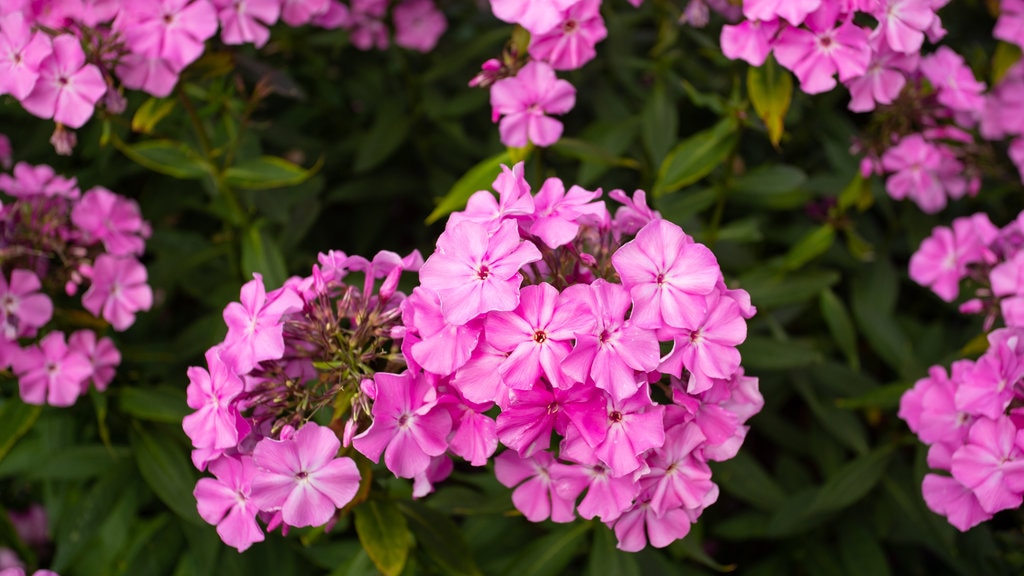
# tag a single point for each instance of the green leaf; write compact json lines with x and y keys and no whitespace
{"x":696,"y":157}
{"x":151,"y":113}
{"x":761,"y":353}
{"x":591,"y":153}
{"x":1005,"y":56}
{"x":77,"y":525}
{"x":842,"y":425}
{"x":743,"y":477}
{"x":771,"y":91}
{"x":772,"y":291}
{"x":479,"y":177}
{"x":159,"y":404}
{"x":384,"y":533}
{"x":440,"y":538}
{"x":550,"y":555}
{"x":605,"y":558}
{"x":267,"y":172}
{"x":261,"y":254}
{"x":840,"y":325}
{"x":860,"y":550}
{"x":390,"y":129}
{"x":873,"y":305}
{"x":857,"y":194}
{"x":660,"y":124}
{"x":810,"y":247}
{"x":771,"y":186}
{"x":16,"y":419}
{"x":167,"y":157}
{"x":883,"y":398}
{"x":78,"y":462}
{"x":853,"y":481}
{"x":165,"y":466}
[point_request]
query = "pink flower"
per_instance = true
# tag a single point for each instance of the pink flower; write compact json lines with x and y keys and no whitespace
{"x":302,"y":477}
{"x":225,"y":501}
{"x":171,"y":30}
{"x":537,"y":16}
{"x":151,"y":74}
{"x":903,"y":22}
{"x":956,"y":85}
{"x":1010,"y":26}
{"x":21,"y":52}
{"x":51,"y":372}
{"x":101,"y":353}
{"x":246,"y":21}
{"x":818,"y":53}
{"x":991,"y":464}
{"x":641,"y":523}
{"x":571,"y":43}
{"x":39,"y":180}
{"x":67,"y":89}
{"x":916,"y":163}
{"x":884,"y":78}
{"x":107,"y":217}
{"x":211,"y":395}
{"x":418,"y":25}
{"x":23,"y":308}
{"x":118,"y":290}
{"x":667,"y":275}
{"x":255,"y":329}
{"x":558,"y":215}
{"x":299,"y":12}
{"x":947,"y":496}
{"x":535,"y":480}
{"x":709,"y":349}
{"x":793,"y":11}
{"x":475,"y":270}
{"x":749,"y":40}
{"x":524,"y":101}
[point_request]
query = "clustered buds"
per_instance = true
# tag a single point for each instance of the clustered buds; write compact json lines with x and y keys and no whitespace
{"x":545,"y":310}
{"x":971,"y":417}
{"x":54,"y":239}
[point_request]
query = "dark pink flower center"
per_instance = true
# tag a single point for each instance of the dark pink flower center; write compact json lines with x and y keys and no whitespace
{"x":615,"y":416}
{"x":483,"y":272}
{"x":540,"y":337}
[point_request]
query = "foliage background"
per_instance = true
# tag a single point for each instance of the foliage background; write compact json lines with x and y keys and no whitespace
{"x":369,"y":145}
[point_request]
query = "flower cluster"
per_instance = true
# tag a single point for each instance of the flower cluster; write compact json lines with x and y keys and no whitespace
{"x":53,"y":239}
{"x":63,"y":59}
{"x":971,"y":417}
{"x":586,"y":402}
{"x":31,"y":528}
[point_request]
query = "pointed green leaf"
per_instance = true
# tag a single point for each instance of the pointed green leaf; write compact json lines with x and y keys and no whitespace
{"x":16,"y":419}
{"x":479,"y":177}
{"x":660,"y":123}
{"x":814,"y":244}
{"x":439,"y":537}
{"x":605,"y":558}
{"x":771,"y":91}
{"x":261,"y":254}
{"x":384,"y":533}
{"x":389,"y":130}
{"x":695,"y":157}
{"x":840,"y":325}
{"x":167,"y":157}
{"x":267,"y":172}
{"x":165,"y":466}
{"x":550,"y":555}
{"x":151,"y":113}
{"x":159,"y":404}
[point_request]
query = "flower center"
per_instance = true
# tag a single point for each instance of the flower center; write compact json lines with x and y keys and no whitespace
{"x":540,"y":337}
{"x":483,"y":272}
{"x":615,"y":416}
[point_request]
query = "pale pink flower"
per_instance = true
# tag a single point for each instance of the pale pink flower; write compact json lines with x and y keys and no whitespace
{"x":118,"y":290}
{"x":537,"y":16}
{"x":246,"y":21}
{"x":225,"y":501}
{"x":67,"y":89}
{"x":51,"y":372}
{"x":418,"y":25}
{"x":571,"y":43}
{"x":524,"y":101}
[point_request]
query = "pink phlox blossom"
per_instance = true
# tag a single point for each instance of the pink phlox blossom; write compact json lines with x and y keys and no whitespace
{"x":952,"y":78}
{"x":903,"y":23}
{"x":22,"y":50}
{"x":19,"y":571}
{"x":255,"y":328}
{"x":1007,"y":277}
{"x":409,"y":427}
{"x":991,"y":464}
{"x":387,"y":265}
{"x":118,"y":290}
{"x":524,"y":101}
{"x":68,"y":88}
{"x":535,"y":479}
{"x":634,"y":213}
{"x":336,"y":16}
{"x":884,"y":78}
{"x":607,"y":495}
{"x":794,"y":11}
{"x":28,"y":181}
{"x":1000,"y":115}
{"x":23,"y":307}
{"x":246,"y":21}
{"x":678,"y":477}
{"x":514,"y":200}
{"x":478,"y":379}
{"x":438,"y":347}
{"x":474,"y":435}
{"x":151,"y":74}
{"x":299,"y":12}
{"x":211,"y":394}
{"x":1010,"y":25}
{"x":817,"y":53}
{"x":226,"y":501}
{"x":440,"y":467}
{"x":708,"y":349}
{"x":993,"y":382}
{"x":530,"y":416}
{"x":303,"y":477}
{"x":916,"y":163}
{"x":366,"y":24}
{"x":640,"y":524}
{"x":50,"y":372}
{"x":558,"y":214}
{"x":750,"y":40}
{"x":948,"y":497}
{"x":171,"y":30}
{"x":614,"y":349}
{"x":929,"y":408}
{"x":667,"y":275}
{"x":538,"y":334}
{"x":537,"y":16}
{"x":101,"y":353}
{"x":475,"y":271}
{"x":418,"y":25}
{"x":103,"y":216}
{"x":571,"y":43}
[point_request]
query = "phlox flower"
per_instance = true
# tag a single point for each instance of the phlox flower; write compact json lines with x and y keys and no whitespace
{"x":50,"y":372}
{"x":530,"y":416}
{"x":817,"y":53}
{"x":475,"y":270}
{"x":524,"y":101}
{"x":23,"y":308}
{"x":408,"y":425}
{"x":514,"y":200}
{"x":535,"y":479}
{"x":299,"y":12}
{"x":246,"y":21}
{"x":942,"y":259}
{"x":171,"y":30}
{"x":989,"y":387}
{"x":537,"y":16}
{"x":708,"y":350}
{"x":793,"y":11}
{"x":474,"y":436}
{"x":558,"y":214}
{"x":571,"y":43}
{"x":67,"y":89}
{"x":956,"y":85}
{"x":101,"y":353}
{"x":678,"y":477}
{"x":667,"y":275}
{"x":640,"y":524}
{"x":211,"y":394}
{"x":302,"y":476}
{"x":21,"y":52}
{"x":18,"y":571}
{"x":255,"y":329}
{"x":28,"y":181}
{"x":418,"y":25}
{"x":915,"y":163}
{"x":1010,"y":25}
{"x":903,"y":23}
{"x":151,"y":74}
{"x":607,"y":494}
{"x":884,"y":78}
{"x":118,"y":290}
{"x":948,"y":497}
{"x":226,"y":501}
{"x":632,"y":426}
{"x":634,"y":213}
{"x":104,"y":216}
{"x":750,"y":40}
{"x":991,"y":464}
{"x":366,"y":24}
{"x":439,"y":347}
{"x":929,"y":408}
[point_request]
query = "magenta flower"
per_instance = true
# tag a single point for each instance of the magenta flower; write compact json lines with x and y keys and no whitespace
{"x":225,"y":501}
{"x":255,"y":329}
{"x":530,"y":416}
{"x":211,"y":395}
{"x":884,"y":78}
{"x":442,"y":348}
{"x":750,"y":40}
{"x":956,"y":85}
{"x":916,"y":163}
{"x":816,"y":54}
{"x":571,"y":43}
{"x":524,"y":101}
{"x":950,"y":498}
{"x":632,"y":426}
{"x":794,"y":11}
{"x":418,"y":25}
{"x":558,"y":214}
{"x":302,"y":477}
{"x":537,"y":16}
{"x":118,"y":290}
{"x":299,"y":12}
{"x":172,"y":30}
{"x":23,"y":308}
{"x":641,"y":523}
{"x":51,"y":372}
{"x":246,"y":21}
{"x":39,"y":180}
{"x":991,"y":464}
{"x":101,"y":353}
{"x":151,"y":74}
{"x":475,"y":270}
{"x":535,"y":480}
{"x":679,"y":476}
{"x":903,"y":23}
{"x":608,"y":495}
{"x":21,"y":52}
{"x":667,"y":275}
{"x":709,"y":349}
{"x":408,"y":425}
{"x":67,"y":89}
{"x":103,"y":216}
{"x":1010,"y":26}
